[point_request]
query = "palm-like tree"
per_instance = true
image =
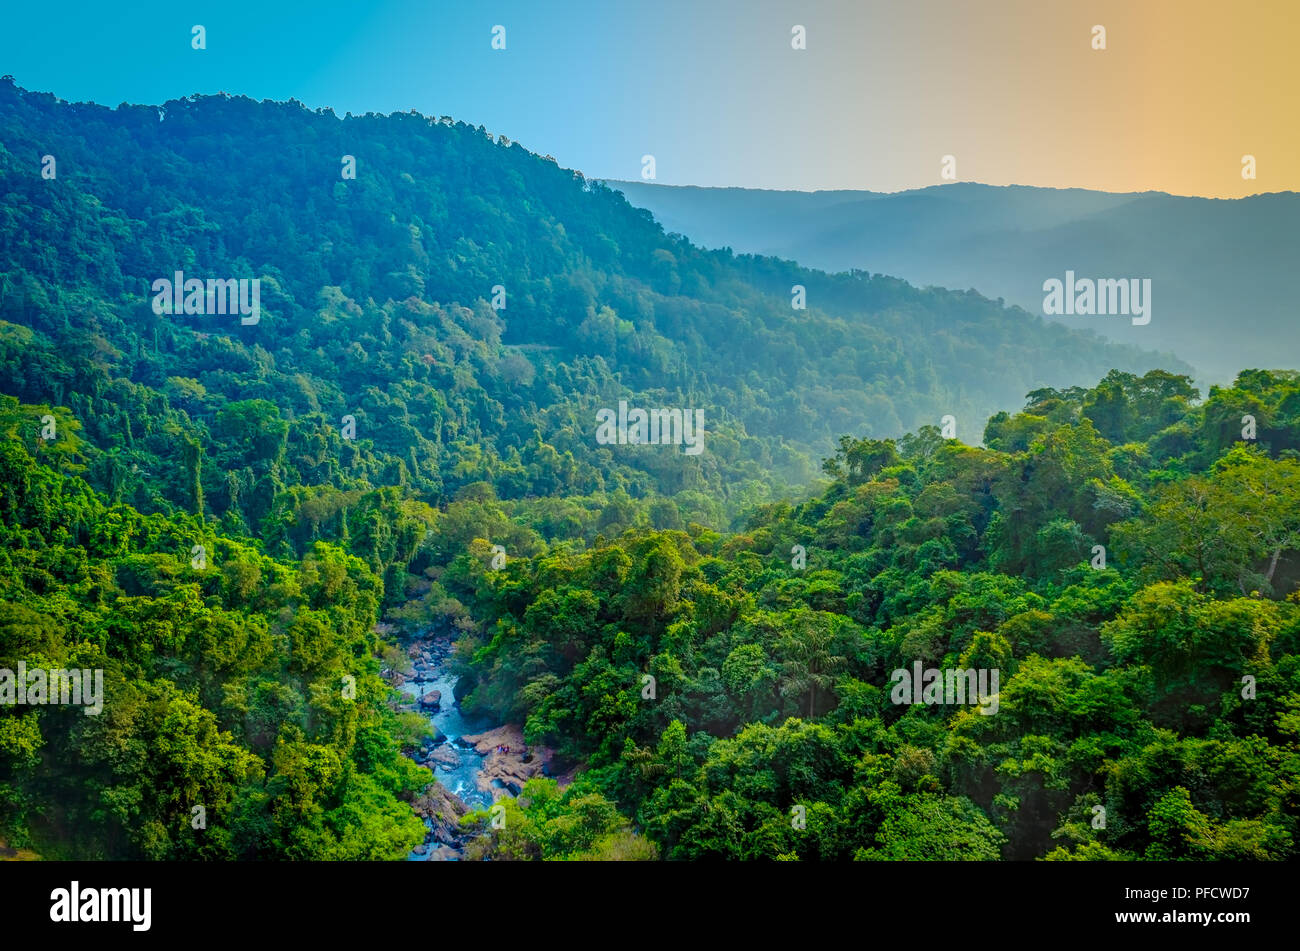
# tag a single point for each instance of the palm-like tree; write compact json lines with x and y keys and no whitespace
{"x":809,"y":665}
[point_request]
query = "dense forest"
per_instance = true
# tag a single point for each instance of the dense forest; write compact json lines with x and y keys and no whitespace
{"x":217,"y":515}
{"x":1119,"y":553}
{"x":377,"y":301}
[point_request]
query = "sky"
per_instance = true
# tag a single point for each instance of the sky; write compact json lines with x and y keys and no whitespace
{"x":1013,"y":90}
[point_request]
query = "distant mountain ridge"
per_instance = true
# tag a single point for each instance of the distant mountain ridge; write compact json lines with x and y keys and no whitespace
{"x":1221,"y":269}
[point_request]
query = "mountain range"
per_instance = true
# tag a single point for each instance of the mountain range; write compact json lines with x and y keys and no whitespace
{"x":470,"y":304}
{"x":1221,"y":270}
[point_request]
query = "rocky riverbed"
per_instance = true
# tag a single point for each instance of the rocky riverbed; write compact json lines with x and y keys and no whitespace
{"x":468,"y":755}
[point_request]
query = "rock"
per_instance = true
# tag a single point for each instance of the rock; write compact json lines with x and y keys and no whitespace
{"x":420,"y":849}
{"x":511,"y":735}
{"x":444,"y":756}
{"x":507,"y":771}
{"x":431,"y":700}
{"x":443,"y":809}
{"x":562,"y":776}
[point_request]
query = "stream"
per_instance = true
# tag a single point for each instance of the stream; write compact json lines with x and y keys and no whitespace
{"x":461,"y":779}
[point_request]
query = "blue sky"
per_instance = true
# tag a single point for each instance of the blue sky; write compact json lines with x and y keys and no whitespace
{"x":579,"y":80}
{"x":714,"y":91}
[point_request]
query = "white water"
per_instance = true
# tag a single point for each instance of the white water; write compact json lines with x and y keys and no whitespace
{"x":462,"y":780}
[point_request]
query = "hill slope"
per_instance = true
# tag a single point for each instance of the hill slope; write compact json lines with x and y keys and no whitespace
{"x":1220,"y":269}
{"x":375,"y":299}
{"x":216,"y":512}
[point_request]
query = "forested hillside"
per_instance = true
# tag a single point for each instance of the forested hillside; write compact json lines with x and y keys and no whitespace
{"x":376,"y":303}
{"x":1119,"y":554}
{"x":1123,"y":559}
{"x":217,"y":514}
{"x":1205,"y":257}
